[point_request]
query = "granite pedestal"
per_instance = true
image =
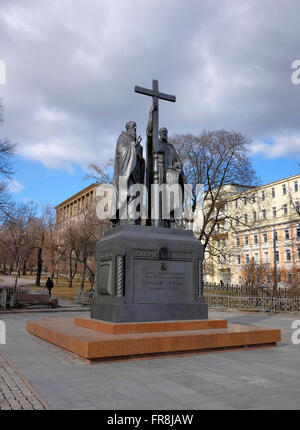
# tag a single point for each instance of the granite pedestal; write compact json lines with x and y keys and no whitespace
{"x":148,"y":274}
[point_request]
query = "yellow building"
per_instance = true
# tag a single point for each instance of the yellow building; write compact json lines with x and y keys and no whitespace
{"x":256,"y":222}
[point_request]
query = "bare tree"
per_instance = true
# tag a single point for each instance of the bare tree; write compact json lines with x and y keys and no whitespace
{"x":217,"y":160}
{"x":257,"y":277}
{"x":15,"y":234}
{"x":102,"y":175}
{"x":7,"y":151}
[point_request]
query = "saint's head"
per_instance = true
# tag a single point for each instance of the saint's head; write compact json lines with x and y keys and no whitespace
{"x":131,"y":129}
{"x":163,"y":134}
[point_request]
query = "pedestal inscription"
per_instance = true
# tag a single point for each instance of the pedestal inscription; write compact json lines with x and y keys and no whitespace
{"x":162,"y":281}
{"x":104,"y":275}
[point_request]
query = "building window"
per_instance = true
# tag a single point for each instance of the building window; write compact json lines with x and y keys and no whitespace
{"x":265,"y":236}
{"x":296,"y":186}
{"x":297,"y":207}
{"x":256,"y":257}
{"x":246,"y":240}
{"x":266,"y":257}
{"x":286,"y":234}
{"x":254,"y":217}
{"x":255,"y":239}
{"x":237,"y":241}
{"x":298,"y":253}
{"x":274,"y":212}
{"x":298,"y":233}
{"x":277,"y":256}
{"x":283,"y":189}
{"x":247,"y":259}
{"x":246,"y":218}
{"x":263,"y":195}
{"x":290,"y":278}
{"x":245,"y":201}
{"x":275,"y":235}
{"x":264,"y":214}
{"x":236,"y":203}
{"x":273,"y":193}
{"x":288,"y":255}
{"x":253,"y":198}
{"x":238,"y":259}
{"x":236,"y":221}
{"x":285,"y":210}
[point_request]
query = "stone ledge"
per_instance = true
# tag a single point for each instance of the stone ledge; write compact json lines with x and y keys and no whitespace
{"x":95,"y":345}
{"x":147,"y":327}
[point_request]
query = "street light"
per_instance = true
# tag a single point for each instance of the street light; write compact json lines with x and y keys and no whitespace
{"x":18,"y":257}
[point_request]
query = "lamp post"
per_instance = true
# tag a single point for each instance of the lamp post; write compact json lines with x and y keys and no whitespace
{"x":58,"y":260}
{"x":18,"y":257}
{"x":275,"y":263}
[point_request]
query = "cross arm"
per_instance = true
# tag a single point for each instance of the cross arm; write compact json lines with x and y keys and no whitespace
{"x":144,"y":91}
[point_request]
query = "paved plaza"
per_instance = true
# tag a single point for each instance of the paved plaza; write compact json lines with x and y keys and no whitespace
{"x":37,"y":375}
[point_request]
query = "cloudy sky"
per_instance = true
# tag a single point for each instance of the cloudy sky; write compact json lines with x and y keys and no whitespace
{"x":71,"y":66}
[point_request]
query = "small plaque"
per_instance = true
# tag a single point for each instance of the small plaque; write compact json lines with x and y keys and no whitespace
{"x":104,"y":278}
{"x":162,"y":281}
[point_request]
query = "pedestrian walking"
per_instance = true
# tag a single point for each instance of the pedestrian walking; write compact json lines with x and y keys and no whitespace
{"x":49,"y":285}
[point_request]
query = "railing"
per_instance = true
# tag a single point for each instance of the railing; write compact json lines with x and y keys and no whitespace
{"x":243,"y":290}
{"x":87,"y":297}
{"x":262,"y":303}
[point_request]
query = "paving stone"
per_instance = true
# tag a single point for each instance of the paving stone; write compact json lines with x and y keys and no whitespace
{"x":257,"y":379}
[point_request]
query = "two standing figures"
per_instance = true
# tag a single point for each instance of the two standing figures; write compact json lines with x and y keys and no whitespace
{"x":163,"y":166}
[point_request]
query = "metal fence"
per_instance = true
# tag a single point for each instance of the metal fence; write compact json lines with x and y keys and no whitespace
{"x":243,"y":290}
{"x":84,"y":298}
{"x":264,"y":304}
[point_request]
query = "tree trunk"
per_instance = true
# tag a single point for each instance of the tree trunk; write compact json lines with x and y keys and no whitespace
{"x":39,"y":268}
{"x":24,"y":267}
{"x":83,"y":277}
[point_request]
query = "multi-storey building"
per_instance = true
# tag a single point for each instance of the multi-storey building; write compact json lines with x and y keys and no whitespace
{"x":261,"y":224}
{"x":73,"y":208}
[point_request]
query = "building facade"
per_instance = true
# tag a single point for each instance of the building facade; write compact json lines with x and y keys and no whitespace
{"x":260,"y":224}
{"x":74,"y":208}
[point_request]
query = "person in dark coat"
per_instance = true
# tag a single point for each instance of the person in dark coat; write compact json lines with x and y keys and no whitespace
{"x":49,"y":285}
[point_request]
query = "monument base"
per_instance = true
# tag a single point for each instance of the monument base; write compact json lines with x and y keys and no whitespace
{"x":121,"y":313}
{"x":97,"y":340}
{"x":148,"y":274}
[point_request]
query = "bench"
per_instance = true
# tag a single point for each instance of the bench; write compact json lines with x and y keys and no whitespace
{"x":35,"y":299}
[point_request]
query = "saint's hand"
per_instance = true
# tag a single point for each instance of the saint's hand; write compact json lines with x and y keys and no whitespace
{"x":139,"y":139}
{"x":154,"y":107}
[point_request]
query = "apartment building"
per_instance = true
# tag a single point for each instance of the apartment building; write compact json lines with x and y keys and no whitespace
{"x":73,"y":208}
{"x":260,"y":224}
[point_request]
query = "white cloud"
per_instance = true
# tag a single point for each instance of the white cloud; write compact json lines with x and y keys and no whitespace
{"x":14,"y":186}
{"x":72,"y":66}
{"x":284,"y":146}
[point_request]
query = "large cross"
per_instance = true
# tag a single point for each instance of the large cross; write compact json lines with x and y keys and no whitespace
{"x":156,"y":95}
{"x":152,"y":174}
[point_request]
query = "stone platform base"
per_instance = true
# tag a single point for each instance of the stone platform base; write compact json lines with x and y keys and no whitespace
{"x":96,"y":340}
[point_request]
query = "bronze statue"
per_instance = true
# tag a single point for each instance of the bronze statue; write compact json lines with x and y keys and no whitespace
{"x":169,"y":166}
{"x":130,"y":165}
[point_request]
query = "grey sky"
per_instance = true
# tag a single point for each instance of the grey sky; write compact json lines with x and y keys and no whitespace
{"x":72,"y":66}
